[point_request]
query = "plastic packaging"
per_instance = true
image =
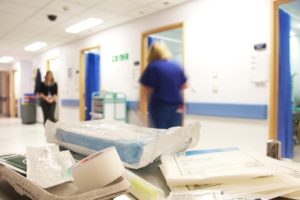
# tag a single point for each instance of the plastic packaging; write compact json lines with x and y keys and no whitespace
{"x":47,"y":166}
{"x":136,"y":146}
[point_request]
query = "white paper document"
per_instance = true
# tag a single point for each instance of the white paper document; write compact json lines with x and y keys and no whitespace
{"x":212,"y":166}
{"x":210,"y":195}
{"x":264,"y":187}
{"x":233,"y":171}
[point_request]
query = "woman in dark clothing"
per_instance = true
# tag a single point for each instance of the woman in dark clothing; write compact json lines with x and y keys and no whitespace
{"x":48,"y":94}
{"x":164,"y":81}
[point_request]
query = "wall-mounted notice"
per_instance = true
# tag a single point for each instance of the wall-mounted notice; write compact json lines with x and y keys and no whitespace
{"x":259,"y":68}
{"x":69,"y":72}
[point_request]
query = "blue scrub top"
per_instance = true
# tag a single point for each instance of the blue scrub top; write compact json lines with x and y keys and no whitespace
{"x":166,"y":78}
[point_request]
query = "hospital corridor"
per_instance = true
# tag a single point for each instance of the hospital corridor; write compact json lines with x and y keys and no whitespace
{"x":149,"y":99}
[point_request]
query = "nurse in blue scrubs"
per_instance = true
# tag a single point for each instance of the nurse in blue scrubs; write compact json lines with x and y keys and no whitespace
{"x":164,"y":81}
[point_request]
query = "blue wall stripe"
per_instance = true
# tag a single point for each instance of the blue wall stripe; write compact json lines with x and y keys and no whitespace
{"x":70,"y":102}
{"x":248,"y":111}
{"x":251,"y":111}
{"x":133,"y":105}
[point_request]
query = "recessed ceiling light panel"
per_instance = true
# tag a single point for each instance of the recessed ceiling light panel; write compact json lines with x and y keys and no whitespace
{"x":35,"y":46}
{"x":6,"y":59}
{"x":84,"y":25}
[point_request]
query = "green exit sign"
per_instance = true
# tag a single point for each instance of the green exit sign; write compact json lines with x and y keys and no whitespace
{"x":121,"y":57}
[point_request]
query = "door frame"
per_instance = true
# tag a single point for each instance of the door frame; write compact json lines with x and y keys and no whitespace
{"x":48,"y":68}
{"x":274,"y":68}
{"x":13,"y":112}
{"x":82,"y":80}
{"x":144,"y":47}
{"x":7,"y":79}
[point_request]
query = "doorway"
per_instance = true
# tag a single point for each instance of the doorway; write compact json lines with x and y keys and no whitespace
{"x":284,"y":114}
{"x":89,"y":73}
{"x":292,"y":12}
{"x":4,"y":94}
{"x":173,"y":36}
{"x":14,"y":101}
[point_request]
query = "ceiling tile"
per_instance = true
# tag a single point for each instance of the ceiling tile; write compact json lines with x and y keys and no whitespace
{"x":32,"y":3}
{"x":181,"y":1}
{"x":143,"y":2}
{"x":28,"y":30}
{"x":121,"y":19}
{"x":2,"y":49}
{"x":8,"y":17}
{"x":164,"y":4}
{"x":21,"y":34}
{"x":98,"y":28}
{"x":97,"y":13}
{"x":2,"y":31}
{"x":105,"y":25}
{"x":7,"y":27}
{"x":14,"y":39}
{"x":118,"y":6}
{"x":71,"y":7}
{"x":51,"y":38}
{"x":143,"y":11}
{"x":58,"y":31}
{"x":87,"y":2}
{"x":8,"y":43}
{"x":17,"y":9}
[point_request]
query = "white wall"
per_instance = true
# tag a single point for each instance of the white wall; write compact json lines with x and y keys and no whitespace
{"x":24,"y":78}
{"x":219,"y":39}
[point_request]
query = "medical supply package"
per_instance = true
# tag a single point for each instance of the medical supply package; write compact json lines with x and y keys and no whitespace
{"x":136,"y":146}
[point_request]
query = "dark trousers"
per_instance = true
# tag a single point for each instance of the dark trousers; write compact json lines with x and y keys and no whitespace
{"x":165,"y":116}
{"x":48,"y":110}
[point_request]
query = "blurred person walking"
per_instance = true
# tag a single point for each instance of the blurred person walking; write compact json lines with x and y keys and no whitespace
{"x":164,"y":81}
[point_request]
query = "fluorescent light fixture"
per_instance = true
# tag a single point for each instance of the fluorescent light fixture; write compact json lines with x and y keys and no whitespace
{"x":35,"y":46}
{"x":6,"y":59}
{"x":84,"y":25}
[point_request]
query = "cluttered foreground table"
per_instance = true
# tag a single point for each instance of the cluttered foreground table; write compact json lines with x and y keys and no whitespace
{"x":160,"y":164}
{"x":151,"y":173}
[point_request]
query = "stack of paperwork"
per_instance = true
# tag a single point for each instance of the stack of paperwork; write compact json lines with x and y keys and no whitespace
{"x":230,"y":170}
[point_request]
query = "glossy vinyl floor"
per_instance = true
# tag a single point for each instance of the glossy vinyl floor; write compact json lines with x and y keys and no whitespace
{"x":15,"y":136}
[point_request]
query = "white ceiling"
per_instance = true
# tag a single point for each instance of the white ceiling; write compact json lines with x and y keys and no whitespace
{"x":293,"y":9}
{"x":25,"y":21}
{"x":173,"y":39}
{"x":175,"y":34}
